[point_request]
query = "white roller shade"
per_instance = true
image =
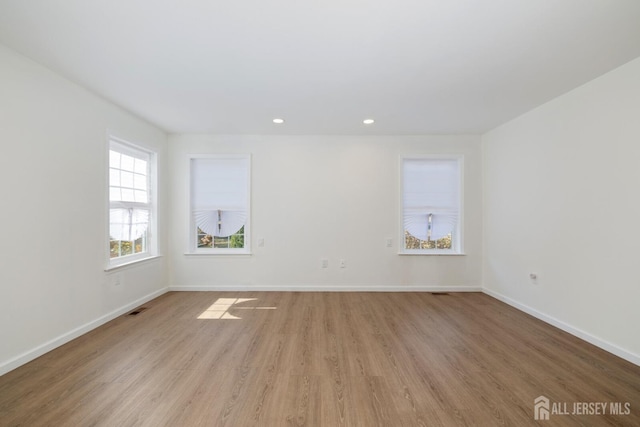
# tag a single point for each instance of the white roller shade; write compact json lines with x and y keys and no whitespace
{"x":220,"y":223}
{"x":431,"y":187}
{"x":219,"y":194}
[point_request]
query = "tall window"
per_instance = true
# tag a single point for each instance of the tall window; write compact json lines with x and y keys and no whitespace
{"x":131,"y":207}
{"x":431,"y":207}
{"x":220,"y":194}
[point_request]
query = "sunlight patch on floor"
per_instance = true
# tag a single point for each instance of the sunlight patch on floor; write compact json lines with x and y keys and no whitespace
{"x":220,"y":308}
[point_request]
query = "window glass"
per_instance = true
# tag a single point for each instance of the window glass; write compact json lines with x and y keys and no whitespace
{"x":130,"y":207}
{"x":431,"y":212}
{"x":220,"y":204}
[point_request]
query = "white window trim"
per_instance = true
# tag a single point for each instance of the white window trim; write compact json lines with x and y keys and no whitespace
{"x":192,"y":247}
{"x":152,"y":232}
{"x":132,"y":263}
{"x":458,"y":242}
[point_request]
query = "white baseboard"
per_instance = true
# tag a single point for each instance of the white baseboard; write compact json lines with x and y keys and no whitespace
{"x":75,"y":333}
{"x":605,"y":345}
{"x":326,"y":288}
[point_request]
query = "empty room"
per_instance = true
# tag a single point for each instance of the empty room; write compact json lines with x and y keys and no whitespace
{"x":319,"y":213}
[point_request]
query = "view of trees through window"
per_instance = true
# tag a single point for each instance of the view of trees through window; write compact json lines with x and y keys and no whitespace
{"x":411,"y":242}
{"x":208,"y":241}
{"x":118,"y":248}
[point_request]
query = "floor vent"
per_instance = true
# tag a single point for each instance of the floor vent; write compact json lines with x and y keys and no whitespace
{"x":137,"y":311}
{"x":439,"y":293}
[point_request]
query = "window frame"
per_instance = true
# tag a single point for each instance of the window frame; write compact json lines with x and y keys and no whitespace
{"x":192,"y":231}
{"x":151,"y":250}
{"x":457,"y":238}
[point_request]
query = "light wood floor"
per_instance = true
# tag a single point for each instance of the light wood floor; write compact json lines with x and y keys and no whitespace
{"x":318,"y":359}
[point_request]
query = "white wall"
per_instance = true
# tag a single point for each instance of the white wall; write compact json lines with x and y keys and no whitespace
{"x":562,"y":200}
{"x":332,"y":197}
{"x":54,"y":213}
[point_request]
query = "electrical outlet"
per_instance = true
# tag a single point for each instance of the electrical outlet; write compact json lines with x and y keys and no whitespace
{"x":343,"y":264}
{"x":389,"y":243}
{"x":324,"y":263}
{"x":261,"y":242}
{"x":116,"y":280}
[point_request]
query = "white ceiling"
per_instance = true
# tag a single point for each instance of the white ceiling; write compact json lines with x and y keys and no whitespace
{"x":416,"y":66}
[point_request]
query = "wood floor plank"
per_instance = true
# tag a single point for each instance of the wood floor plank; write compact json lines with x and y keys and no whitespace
{"x":303,"y":401}
{"x":318,"y":359}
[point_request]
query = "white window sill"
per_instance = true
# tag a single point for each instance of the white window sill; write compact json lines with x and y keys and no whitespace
{"x":132,"y":262}
{"x":432,"y":254}
{"x":218,"y":253}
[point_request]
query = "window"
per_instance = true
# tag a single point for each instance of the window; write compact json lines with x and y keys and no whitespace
{"x":431,"y":208}
{"x":220,"y":193}
{"x":131,"y":207}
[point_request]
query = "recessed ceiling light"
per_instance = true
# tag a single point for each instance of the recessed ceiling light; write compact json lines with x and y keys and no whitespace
{"x":278,"y":121}
{"x":368,"y":121}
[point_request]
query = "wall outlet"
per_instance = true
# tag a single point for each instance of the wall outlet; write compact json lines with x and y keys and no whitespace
{"x":324,"y":263}
{"x":261,"y":242}
{"x":389,"y":243}
{"x":116,"y":280}
{"x":343,"y":263}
